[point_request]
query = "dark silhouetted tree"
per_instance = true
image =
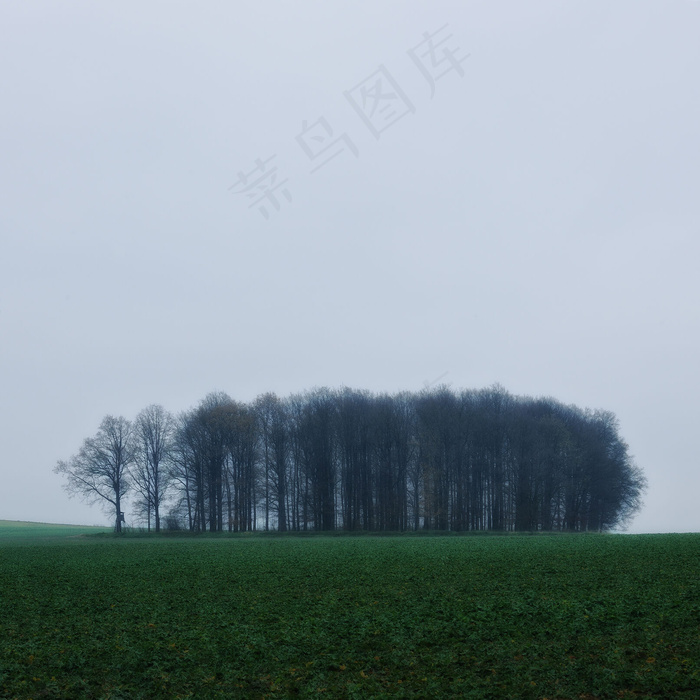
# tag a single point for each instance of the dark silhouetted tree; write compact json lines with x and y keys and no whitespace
{"x":154,"y":428}
{"x":99,"y":472}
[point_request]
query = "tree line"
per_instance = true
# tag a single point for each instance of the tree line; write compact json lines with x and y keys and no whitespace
{"x":353,"y":460}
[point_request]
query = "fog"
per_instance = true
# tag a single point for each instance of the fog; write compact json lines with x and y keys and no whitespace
{"x":254,"y":197}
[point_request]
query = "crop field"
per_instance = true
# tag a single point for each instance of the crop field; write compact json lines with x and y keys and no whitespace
{"x":518,"y":616}
{"x":25,"y":533}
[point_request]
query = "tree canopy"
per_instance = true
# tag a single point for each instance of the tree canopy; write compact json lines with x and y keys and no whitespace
{"x":349,"y":459}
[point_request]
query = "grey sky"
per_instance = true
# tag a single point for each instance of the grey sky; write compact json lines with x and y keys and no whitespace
{"x":534,"y":223}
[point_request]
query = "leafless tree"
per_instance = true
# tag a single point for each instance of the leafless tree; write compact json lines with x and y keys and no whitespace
{"x":154,"y":428}
{"x":273,"y":429}
{"x":99,"y":472}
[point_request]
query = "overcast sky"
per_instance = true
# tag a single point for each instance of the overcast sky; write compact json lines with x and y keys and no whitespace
{"x":270,"y":196}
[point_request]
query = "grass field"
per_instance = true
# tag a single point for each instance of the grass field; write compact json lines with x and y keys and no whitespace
{"x":25,"y":533}
{"x":589,"y":616}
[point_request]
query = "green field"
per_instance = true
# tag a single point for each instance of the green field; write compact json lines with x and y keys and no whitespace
{"x":587,"y":616}
{"x":25,"y":533}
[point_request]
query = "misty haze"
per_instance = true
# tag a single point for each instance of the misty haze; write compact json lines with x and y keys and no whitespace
{"x":349,"y":349}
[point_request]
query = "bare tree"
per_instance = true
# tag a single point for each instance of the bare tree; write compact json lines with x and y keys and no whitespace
{"x":183,"y":470}
{"x":154,"y":428}
{"x":239,"y":427}
{"x":274,"y":448}
{"x":99,"y":472}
